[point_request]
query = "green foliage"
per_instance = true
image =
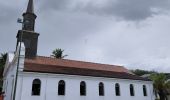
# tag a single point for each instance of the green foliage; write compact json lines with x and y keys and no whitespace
{"x":159,"y":81}
{"x":161,"y":85}
{"x":140,"y":72}
{"x":3,"y":58}
{"x":58,"y":53}
{"x":167,"y":75}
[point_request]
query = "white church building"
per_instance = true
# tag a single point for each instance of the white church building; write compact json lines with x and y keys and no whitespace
{"x":31,"y":77}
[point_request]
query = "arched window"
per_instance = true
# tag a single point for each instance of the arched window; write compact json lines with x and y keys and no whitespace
{"x":61,"y":87}
{"x":144,"y":90}
{"x":82,"y":88}
{"x":132,"y":93}
{"x":101,"y":89}
{"x":36,"y":87}
{"x":117,"y":89}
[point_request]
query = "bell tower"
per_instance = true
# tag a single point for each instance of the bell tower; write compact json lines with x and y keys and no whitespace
{"x":28,"y":34}
{"x":29,"y":17}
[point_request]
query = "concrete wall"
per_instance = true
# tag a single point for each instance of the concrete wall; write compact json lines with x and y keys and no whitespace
{"x":49,"y":88}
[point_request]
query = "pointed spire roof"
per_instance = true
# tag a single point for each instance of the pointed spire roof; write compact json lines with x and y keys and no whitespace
{"x":30,"y":8}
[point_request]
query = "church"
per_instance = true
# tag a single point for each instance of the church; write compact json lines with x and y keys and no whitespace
{"x":28,"y":76}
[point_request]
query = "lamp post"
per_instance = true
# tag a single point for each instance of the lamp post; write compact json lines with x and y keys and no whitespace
{"x":18,"y":60}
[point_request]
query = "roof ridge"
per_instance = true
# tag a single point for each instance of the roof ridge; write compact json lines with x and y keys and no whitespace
{"x":80,"y":61}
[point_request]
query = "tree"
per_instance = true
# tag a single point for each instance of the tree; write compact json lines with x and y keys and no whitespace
{"x":140,"y":72}
{"x":58,"y":53}
{"x":161,"y":85}
{"x":3,"y":58}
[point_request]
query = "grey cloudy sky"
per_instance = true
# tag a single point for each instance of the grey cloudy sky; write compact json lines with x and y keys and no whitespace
{"x":133,"y":33}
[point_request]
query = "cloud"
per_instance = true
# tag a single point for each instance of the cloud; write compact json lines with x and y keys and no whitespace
{"x":133,"y":33}
{"x":144,"y":45}
{"x":6,"y":14}
{"x":133,"y":10}
{"x":7,"y":26}
{"x":103,"y":39}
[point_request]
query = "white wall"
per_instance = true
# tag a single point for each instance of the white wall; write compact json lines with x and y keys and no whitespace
{"x":10,"y":72}
{"x":9,"y":79}
{"x":49,"y":88}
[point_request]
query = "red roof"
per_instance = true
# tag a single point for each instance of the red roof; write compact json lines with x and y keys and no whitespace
{"x":72,"y":67}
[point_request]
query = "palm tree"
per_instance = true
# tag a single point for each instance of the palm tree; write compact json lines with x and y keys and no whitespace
{"x":161,"y":85}
{"x":58,"y":53}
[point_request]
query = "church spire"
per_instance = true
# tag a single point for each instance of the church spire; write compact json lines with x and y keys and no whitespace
{"x":29,"y":36}
{"x":29,"y":17}
{"x":30,"y":8}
